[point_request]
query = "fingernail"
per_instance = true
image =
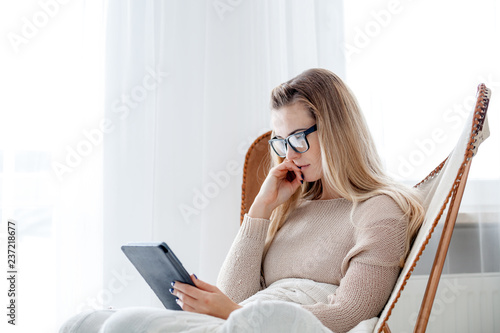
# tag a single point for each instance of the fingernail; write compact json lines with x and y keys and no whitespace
{"x":172,"y":283}
{"x":302,"y":176}
{"x":171,"y":290}
{"x":300,"y":167}
{"x":195,"y":276}
{"x":302,"y":182}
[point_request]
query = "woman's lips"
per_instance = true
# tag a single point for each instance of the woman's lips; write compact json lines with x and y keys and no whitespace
{"x":304,"y":166}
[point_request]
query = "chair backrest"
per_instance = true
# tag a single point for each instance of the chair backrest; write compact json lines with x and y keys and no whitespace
{"x":442,"y":189}
{"x":255,"y":169}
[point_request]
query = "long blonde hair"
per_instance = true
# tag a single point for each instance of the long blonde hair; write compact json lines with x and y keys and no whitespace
{"x":351,"y":164}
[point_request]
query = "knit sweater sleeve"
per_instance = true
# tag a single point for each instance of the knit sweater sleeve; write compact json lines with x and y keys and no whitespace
{"x":361,"y":295}
{"x":370,"y":271}
{"x":239,"y":276}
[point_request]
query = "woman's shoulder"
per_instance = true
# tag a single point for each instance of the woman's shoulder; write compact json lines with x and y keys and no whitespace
{"x":381,"y":232}
{"x":379,"y":208}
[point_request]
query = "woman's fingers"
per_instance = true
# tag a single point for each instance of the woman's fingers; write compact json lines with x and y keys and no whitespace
{"x":203,"y":285}
{"x":292,"y":167}
{"x":184,"y":298}
{"x":187,"y":303}
{"x":210,"y":301}
{"x":187,"y":290}
{"x":193,"y":293}
{"x":185,"y":306}
{"x":281,"y":182}
{"x":184,"y":293}
{"x":300,"y":176}
{"x":286,"y":166}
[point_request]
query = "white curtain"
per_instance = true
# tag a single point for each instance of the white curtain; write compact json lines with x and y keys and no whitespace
{"x":141,"y":140}
{"x":51,"y":160}
{"x":187,"y":91}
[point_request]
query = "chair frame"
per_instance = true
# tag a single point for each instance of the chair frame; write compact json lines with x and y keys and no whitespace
{"x":454,"y":198}
{"x":444,"y":243}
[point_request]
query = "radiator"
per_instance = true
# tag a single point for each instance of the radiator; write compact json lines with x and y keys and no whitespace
{"x":463,"y":303}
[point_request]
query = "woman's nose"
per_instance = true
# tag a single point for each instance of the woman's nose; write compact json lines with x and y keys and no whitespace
{"x":291,"y":154}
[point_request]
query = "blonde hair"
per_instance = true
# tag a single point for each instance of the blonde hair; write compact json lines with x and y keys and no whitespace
{"x":352,"y":167}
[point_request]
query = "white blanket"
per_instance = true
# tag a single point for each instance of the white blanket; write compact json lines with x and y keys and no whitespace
{"x":274,"y":309}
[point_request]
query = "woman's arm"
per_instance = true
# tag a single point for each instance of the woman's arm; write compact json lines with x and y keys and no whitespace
{"x":361,"y":295}
{"x":239,"y":277}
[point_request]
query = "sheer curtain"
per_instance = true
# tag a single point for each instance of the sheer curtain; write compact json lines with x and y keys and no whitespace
{"x":187,"y":91}
{"x":51,"y":159}
{"x":141,"y":139}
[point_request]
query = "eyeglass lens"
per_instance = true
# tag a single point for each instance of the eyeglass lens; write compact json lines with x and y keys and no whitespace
{"x":297,"y":141}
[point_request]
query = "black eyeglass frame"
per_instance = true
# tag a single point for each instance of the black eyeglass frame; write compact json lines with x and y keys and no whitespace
{"x":308,"y":131}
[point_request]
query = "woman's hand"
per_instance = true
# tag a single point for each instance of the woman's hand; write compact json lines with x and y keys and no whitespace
{"x":206,"y":299}
{"x":276,"y":189}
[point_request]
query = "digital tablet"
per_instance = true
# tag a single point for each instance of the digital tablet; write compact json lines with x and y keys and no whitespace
{"x":159,"y":266}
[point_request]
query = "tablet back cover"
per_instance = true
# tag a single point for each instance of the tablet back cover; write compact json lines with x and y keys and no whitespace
{"x":159,"y":266}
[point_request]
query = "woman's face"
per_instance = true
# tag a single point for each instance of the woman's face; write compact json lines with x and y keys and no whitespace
{"x":295,"y":118}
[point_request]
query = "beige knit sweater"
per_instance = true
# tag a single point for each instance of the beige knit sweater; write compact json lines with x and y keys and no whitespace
{"x":319,"y":242}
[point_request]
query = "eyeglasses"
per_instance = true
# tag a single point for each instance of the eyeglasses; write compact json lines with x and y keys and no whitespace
{"x":297,"y":141}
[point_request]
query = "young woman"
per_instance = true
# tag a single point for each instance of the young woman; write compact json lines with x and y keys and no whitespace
{"x":341,"y":220}
{"x":326,"y":212}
